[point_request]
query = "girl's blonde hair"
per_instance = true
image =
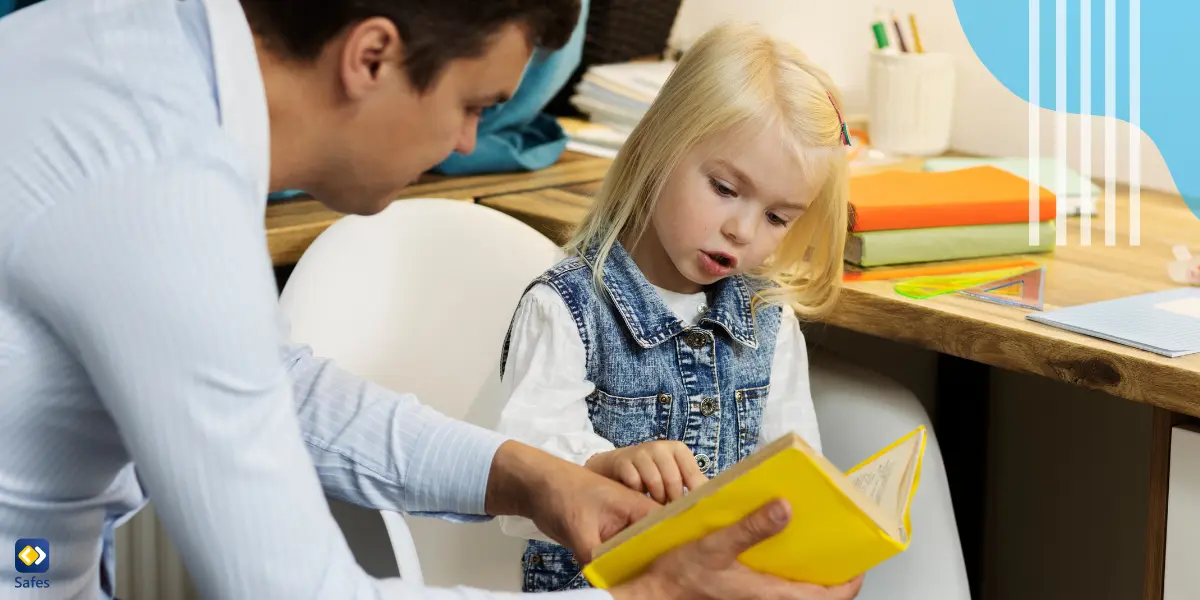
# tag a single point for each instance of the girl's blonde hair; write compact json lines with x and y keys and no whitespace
{"x":737,"y":75}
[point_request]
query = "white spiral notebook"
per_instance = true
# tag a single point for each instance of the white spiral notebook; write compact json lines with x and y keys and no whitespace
{"x":1166,"y":323}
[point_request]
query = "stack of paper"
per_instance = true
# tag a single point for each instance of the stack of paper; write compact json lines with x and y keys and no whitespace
{"x":595,"y":139}
{"x":1166,"y":323}
{"x":614,"y":97}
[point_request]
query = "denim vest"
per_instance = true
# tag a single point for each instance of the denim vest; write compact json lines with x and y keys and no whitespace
{"x":658,"y":378}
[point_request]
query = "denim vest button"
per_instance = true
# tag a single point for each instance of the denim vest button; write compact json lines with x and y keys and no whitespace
{"x":703,"y":462}
{"x":708,"y":406}
{"x":696,"y":340}
{"x":664,"y":398}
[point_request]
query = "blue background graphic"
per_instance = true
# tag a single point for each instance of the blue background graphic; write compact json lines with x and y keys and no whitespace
{"x":998,"y":31}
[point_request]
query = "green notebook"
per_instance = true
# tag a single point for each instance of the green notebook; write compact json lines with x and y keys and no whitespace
{"x":1075,"y":186}
{"x":902,"y":246}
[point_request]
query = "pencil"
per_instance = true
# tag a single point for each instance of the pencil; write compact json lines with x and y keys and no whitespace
{"x":912,"y":24}
{"x":923,"y":270}
{"x":899,"y":35}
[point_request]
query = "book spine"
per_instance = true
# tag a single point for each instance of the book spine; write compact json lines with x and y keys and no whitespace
{"x":894,"y":247}
{"x":887,"y":218}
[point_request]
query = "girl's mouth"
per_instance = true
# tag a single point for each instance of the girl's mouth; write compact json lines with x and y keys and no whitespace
{"x":723,"y":259}
{"x":718,"y":264}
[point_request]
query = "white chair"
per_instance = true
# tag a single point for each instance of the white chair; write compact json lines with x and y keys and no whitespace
{"x":418,"y":299}
{"x":859,"y":412}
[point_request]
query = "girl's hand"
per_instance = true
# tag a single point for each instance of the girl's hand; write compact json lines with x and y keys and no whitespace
{"x":662,"y":468}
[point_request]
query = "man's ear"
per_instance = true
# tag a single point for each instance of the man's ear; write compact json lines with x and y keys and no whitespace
{"x":372,"y":52}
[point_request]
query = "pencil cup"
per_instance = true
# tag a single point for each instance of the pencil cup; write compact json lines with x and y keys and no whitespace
{"x":911,"y":102}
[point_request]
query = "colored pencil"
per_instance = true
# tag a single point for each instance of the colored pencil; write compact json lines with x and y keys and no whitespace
{"x":899,"y":35}
{"x":912,"y":23}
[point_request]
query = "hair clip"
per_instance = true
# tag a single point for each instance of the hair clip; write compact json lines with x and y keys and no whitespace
{"x":841,"y":121}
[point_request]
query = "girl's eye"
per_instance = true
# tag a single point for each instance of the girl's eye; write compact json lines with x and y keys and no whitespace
{"x":776,"y":220}
{"x":721,"y":188}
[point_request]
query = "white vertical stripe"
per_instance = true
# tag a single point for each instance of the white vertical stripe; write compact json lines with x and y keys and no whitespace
{"x":1060,"y":119}
{"x":1135,"y":120}
{"x":1085,"y":122}
{"x":1035,"y":175}
{"x":1110,"y":122}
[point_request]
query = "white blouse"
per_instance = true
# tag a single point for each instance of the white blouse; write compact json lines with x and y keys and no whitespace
{"x":545,"y":381}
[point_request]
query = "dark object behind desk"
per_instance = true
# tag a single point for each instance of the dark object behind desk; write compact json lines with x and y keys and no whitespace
{"x":617,"y":31}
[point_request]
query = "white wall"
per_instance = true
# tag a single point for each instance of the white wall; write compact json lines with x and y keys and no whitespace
{"x":989,"y":120}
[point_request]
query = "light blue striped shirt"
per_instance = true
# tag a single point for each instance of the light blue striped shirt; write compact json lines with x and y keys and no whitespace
{"x":140,"y":353}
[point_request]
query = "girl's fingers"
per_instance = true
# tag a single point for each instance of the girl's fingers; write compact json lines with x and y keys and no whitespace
{"x":671,"y":477}
{"x":651,"y":478}
{"x":628,"y":475}
{"x":692,"y":476}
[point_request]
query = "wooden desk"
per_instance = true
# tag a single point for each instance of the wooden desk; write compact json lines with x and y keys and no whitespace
{"x":293,"y":224}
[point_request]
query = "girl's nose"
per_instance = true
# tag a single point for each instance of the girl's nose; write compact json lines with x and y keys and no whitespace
{"x":739,"y":228}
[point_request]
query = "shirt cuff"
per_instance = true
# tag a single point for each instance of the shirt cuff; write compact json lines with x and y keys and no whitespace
{"x":449,"y":470}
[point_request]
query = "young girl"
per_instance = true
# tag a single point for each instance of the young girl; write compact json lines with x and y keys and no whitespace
{"x":667,"y":346}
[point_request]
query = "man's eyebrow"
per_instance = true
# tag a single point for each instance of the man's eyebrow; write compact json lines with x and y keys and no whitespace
{"x":498,"y":98}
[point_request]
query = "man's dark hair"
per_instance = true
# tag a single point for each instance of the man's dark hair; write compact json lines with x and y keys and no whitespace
{"x":434,"y":32}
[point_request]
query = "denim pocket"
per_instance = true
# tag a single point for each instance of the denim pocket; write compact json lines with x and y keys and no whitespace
{"x":629,"y":421}
{"x":750,"y":402}
{"x":551,"y":568}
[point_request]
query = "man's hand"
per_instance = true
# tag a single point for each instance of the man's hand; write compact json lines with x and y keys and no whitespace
{"x":708,"y":569}
{"x":574,"y":506}
{"x":662,"y":467}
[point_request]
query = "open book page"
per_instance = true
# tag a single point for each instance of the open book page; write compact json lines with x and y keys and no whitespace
{"x":888,"y":479}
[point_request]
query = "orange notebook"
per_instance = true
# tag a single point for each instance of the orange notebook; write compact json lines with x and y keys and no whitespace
{"x":911,"y":199}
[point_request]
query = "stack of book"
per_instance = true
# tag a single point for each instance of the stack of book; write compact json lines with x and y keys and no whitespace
{"x":903,"y":217}
{"x":1077,"y":193}
{"x":614,"y":98}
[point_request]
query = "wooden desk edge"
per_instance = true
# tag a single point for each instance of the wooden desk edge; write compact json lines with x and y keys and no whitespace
{"x":1081,"y":360}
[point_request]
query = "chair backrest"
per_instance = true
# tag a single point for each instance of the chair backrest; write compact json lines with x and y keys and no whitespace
{"x":418,"y":299}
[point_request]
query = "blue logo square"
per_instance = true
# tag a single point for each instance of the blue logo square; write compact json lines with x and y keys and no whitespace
{"x":32,"y":555}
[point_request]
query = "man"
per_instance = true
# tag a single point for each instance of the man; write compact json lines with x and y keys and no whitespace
{"x":138,"y":354}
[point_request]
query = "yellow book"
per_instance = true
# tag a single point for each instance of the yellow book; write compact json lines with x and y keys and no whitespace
{"x":842,"y":524}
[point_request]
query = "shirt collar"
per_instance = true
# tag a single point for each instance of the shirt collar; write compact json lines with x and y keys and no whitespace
{"x":240,"y":91}
{"x":647,"y":316}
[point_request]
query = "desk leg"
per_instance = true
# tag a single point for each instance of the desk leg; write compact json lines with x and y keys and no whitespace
{"x":1156,"y":522}
{"x":961,"y":420}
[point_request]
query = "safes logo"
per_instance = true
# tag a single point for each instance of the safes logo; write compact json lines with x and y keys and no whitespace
{"x":31,"y":555}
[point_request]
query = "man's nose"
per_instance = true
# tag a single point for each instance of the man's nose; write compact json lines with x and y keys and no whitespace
{"x":467,"y":137}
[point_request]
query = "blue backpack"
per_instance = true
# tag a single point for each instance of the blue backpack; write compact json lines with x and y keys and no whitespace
{"x":517,"y":136}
